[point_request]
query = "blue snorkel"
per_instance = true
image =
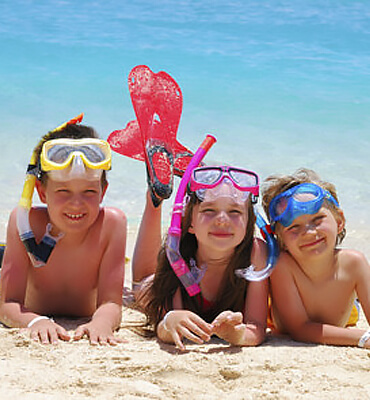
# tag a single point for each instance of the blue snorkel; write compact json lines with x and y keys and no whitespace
{"x":250,"y":272}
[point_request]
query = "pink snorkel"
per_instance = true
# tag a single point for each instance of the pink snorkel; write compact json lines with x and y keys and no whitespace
{"x":182,"y":271}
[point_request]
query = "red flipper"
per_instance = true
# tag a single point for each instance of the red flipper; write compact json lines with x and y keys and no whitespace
{"x":128,"y":143}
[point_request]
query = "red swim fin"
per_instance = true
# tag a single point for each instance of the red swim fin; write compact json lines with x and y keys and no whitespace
{"x":157,"y":101}
{"x":128,"y":143}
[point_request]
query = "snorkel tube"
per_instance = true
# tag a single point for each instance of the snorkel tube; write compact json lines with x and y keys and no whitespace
{"x":250,"y":272}
{"x":189,"y":279}
{"x":39,"y":253}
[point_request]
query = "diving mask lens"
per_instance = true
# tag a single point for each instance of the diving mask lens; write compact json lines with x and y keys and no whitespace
{"x":212,"y":182}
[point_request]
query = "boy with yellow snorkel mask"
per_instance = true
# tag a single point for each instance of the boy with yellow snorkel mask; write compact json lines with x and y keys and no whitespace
{"x":66,"y":259}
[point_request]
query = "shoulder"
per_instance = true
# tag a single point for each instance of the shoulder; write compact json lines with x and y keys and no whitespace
{"x":113,"y":222}
{"x":114,"y":216}
{"x":285,"y":265}
{"x":354,"y":262}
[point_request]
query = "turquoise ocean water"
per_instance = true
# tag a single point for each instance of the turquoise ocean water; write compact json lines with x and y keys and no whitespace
{"x":281,"y":84}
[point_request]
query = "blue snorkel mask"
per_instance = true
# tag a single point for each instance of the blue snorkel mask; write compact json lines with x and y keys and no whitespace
{"x":306,"y":198}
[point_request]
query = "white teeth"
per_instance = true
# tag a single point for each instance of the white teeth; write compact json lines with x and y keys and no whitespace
{"x":75,"y":216}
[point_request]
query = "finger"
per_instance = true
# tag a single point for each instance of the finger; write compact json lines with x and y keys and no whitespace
{"x":79,"y":333}
{"x":198,"y":331}
{"x":120,"y":340}
{"x":53,"y":336}
{"x":63,"y":334}
{"x":44,"y":337}
{"x":221,"y":319}
{"x":201,"y":324}
{"x":94,"y":341}
{"x":102,"y":340}
{"x":185,"y":332}
{"x":178,"y":342}
{"x":112,"y":341}
{"x":34,"y":335}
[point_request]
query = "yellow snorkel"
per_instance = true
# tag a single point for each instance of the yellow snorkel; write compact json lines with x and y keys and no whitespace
{"x":38,"y":252}
{"x":29,"y":184}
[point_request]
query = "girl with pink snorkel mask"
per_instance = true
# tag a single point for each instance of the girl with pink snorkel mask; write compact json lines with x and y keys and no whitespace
{"x":195,"y":288}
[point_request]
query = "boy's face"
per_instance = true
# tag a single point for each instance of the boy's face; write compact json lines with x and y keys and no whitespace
{"x":311,"y":234}
{"x":73,"y":205}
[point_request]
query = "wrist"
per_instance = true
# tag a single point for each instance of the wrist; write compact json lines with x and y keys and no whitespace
{"x":164,"y":320}
{"x":38,"y":318}
{"x":364,"y":338}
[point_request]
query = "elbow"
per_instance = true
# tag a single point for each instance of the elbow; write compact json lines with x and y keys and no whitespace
{"x":255,"y":335}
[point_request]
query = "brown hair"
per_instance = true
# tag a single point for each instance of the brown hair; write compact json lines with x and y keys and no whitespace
{"x":158,"y":297}
{"x":276,"y":184}
{"x":70,"y":131}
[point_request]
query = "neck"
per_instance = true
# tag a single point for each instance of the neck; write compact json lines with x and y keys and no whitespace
{"x":321,"y":268}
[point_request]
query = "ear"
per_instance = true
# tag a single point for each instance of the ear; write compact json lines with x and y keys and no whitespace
{"x":41,"y":191}
{"x":191,"y":229}
{"x":103,"y":192}
{"x":341,"y":220}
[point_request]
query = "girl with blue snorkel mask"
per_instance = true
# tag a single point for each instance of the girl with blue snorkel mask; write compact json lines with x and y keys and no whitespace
{"x":195,"y":292}
{"x":315,"y":283}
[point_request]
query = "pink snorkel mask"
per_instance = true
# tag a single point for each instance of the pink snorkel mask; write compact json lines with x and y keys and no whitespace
{"x":209,"y":183}
{"x":212,"y":182}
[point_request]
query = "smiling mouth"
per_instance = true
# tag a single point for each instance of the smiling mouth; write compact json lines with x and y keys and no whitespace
{"x":75,"y":217}
{"x":221,"y":234}
{"x":312,"y":244}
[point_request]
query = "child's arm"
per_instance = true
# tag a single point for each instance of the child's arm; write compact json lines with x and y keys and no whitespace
{"x":293,"y":316}
{"x":107,"y":317}
{"x":180,"y":323}
{"x":247,"y":330}
{"x":13,"y":286}
{"x":250,"y":329}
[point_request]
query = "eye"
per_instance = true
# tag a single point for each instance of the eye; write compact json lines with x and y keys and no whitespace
{"x":317,"y":220}
{"x":293,"y":228}
{"x":208,"y":210}
{"x":236,"y":211}
{"x":90,"y":192}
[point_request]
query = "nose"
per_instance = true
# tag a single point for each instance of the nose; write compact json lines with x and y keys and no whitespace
{"x":222,"y":218}
{"x":76,"y":200}
{"x":310,"y":228}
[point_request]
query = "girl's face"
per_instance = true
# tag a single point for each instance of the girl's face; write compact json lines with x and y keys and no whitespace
{"x":311,"y":234}
{"x":219,"y":226}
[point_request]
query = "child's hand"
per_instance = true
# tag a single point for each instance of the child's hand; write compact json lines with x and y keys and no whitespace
{"x":48,"y":332}
{"x":229,"y":326}
{"x":98,"y":333}
{"x":183,"y":323}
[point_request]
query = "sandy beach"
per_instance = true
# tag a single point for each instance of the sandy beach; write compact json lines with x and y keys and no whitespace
{"x":143,"y":368}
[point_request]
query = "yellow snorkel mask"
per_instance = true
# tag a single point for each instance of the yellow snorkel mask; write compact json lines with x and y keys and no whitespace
{"x":62,"y":159}
{"x":66,"y":159}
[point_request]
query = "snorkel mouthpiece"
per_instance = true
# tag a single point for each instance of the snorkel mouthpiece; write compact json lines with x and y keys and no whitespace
{"x":188,"y":279}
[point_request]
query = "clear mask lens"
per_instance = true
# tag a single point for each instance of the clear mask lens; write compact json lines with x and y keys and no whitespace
{"x":225,"y":189}
{"x":76,"y":170}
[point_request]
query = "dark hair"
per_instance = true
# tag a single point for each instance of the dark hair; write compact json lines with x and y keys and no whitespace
{"x":158,"y":296}
{"x":70,"y":131}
